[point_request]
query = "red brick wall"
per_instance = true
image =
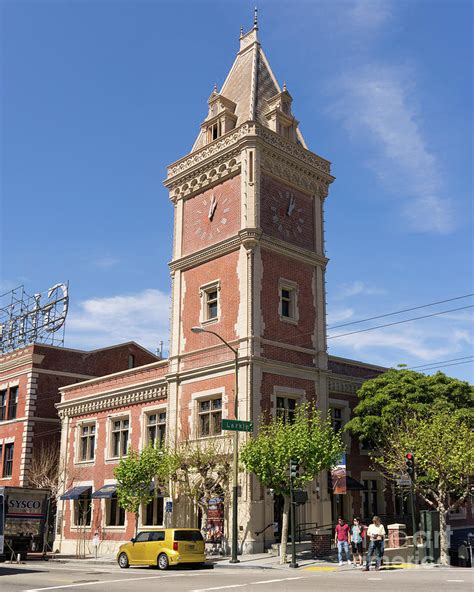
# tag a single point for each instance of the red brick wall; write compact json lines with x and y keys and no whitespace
{"x":276,"y":267}
{"x":199,"y":231}
{"x":223,"y":269}
{"x":297,"y":228}
{"x":269,"y":381}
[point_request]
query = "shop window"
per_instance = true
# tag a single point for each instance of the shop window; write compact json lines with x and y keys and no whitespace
{"x":153,"y":512}
{"x":120,"y":433}
{"x":209,"y":417}
{"x":87,"y":442}
{"x":83,"y":509}
{"x":12,"y":402}
{"x":156,"y":428}
{"x":370,"y":498}
{"x":337,"y":419}
{"x":115,"y":514}
{"x":285,"y":409}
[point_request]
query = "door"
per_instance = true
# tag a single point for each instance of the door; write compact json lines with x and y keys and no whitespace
{"x":139,"y":548}
{"x":154,"y":546}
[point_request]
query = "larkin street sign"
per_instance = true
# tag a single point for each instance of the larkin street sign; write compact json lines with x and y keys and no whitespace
{"x":237,"y":425}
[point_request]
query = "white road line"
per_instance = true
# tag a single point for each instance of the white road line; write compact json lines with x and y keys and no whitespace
{"x":219,"y":588}
{"x":375,"y":579}
{"x":279,"y":580}
{"x":103,"y":582}
{"x":455,"y":580}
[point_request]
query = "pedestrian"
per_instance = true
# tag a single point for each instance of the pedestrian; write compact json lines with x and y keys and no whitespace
{"x":342,"y":539}
{"x":376,"y":534}
{"x":356,"y":541}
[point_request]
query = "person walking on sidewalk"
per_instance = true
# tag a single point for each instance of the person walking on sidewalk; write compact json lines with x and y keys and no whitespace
{"x":342,"y":538}
{"x":376,"y":534}
{"x":356,"y":541}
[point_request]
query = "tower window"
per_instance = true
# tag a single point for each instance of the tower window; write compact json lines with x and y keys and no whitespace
{"x":210,"y":302}
{"x":288,"y":301}
{"x":210,"y":417}
{"x":12,"y":402}
{"x":214,"y":131}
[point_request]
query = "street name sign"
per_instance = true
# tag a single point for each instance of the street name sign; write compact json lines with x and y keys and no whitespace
{"x":404,"y":482}
{"x":237,"y":425}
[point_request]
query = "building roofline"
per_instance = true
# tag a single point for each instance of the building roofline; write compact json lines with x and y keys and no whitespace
{"x":357,"y":363}
{"x":98,"y":379}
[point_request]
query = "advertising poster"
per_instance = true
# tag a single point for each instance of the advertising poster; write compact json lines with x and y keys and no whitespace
{"x":338,"y":474}
{"x":215,"y":520}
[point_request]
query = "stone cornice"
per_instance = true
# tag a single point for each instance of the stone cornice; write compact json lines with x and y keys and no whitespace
{"x":96,"y":403}
{"x":207,"y":254}
{"x":288,"y":250}
{"x":344,"y":384}
{"x":195,"y":167}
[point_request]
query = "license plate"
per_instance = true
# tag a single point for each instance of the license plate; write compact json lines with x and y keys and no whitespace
{"x":189,"y":547}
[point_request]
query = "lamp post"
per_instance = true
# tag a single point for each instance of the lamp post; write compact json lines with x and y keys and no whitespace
{"x":235,"y":479}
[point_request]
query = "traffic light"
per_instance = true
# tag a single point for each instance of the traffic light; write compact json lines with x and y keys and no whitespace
{"x":410,"y":464}
{"x":294,"y":469}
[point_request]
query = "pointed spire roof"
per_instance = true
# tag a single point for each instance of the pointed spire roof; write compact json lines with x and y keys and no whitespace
{"x":249,"y":84}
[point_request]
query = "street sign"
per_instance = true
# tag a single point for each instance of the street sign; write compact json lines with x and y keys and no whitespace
{"x":404,"y":482}
{"x":237,"y":425}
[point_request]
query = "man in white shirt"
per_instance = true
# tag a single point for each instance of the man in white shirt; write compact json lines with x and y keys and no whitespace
{"x":376,"y":535}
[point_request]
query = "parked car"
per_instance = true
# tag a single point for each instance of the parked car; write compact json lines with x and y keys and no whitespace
{"x":163,"y":548}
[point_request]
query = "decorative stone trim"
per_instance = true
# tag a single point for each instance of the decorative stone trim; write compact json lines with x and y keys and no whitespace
{"x":343,"y":386}
{"x":107,"y":401}
{"x":288,"y":250}
{"x":207,"y":254}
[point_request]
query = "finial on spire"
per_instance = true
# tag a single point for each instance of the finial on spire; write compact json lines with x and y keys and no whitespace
{"x":241,"y":31}
{"x":284,"y":86}
{"x":255,"y":18}
{"x":215,"y":88}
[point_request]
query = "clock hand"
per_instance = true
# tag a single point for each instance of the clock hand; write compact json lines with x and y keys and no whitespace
{"x":291,"y":205}
{"x":212,"y":207}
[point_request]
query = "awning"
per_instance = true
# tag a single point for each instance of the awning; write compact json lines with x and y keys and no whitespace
{"x":75,"y":492}
{"x":351,"y":484}
{"x":106,"y":491}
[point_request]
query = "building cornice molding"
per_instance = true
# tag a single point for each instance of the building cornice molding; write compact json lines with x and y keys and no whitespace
{"x":104,"y":401}
{"x":305,"y":167}
{"x":289,"y":250}
{"x":207,"y":254}
{"x":344,"y":384}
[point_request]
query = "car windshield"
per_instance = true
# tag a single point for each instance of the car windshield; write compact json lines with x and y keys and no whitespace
{"x":188,"y":535}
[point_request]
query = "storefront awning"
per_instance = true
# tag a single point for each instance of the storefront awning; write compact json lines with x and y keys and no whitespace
{"x":106,"y":491}
{"x":351,"y":484}
{"x":75,"y":492}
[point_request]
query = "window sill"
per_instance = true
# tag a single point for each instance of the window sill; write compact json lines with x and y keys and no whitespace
{"x":288,"y":320}
{"x":114,"y":528}
{"x":114,"y":459}
{"x":210,"y":321}
{"x":85,"y":462}
{"x":79,"y":528}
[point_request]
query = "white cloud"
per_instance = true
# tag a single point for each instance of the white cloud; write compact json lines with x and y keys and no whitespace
{"x":355,"y":288}
{"x":100,"y":322}
{"x":106,"y":262}
{"x":404,"y":343}
{"x":375,"y":103}
{"x":338,"y":315}
{"x":369,"y":14}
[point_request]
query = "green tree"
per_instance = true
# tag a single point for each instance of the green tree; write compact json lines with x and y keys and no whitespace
{"x":135,"y":474}
{"x":442,"y":444}
{"x":309,"y":440}
{"x":399,"y":394}
{"x":203,"y":470}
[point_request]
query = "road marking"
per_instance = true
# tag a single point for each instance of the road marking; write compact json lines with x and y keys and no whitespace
{"x":455,"y":580}
{"x":322,"y":568}
{"x":375,"y":579}
{"x":95,"y":583}
{"x":279,"y":580}
{"x":220,"y":588}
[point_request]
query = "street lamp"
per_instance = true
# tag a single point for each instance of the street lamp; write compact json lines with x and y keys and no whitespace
{"x":235,"y":480}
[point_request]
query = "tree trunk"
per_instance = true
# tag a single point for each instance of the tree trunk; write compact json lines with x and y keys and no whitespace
{"x":204,"y":514}
{"x":136,"y":523}
{"x":443,"y":536}
{"x":284,"y":529}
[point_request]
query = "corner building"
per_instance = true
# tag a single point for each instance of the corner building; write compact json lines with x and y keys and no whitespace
{"x":248,"y":263}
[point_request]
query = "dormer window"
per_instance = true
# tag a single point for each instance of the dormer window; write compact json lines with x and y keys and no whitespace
{"x":215,"y":131}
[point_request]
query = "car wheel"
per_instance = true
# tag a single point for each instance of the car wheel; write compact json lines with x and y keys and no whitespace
{"x":163,"y":561}
{"x":123,"y":561}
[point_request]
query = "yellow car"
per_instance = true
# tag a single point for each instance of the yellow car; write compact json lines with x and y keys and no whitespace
{"x":163,"y":548}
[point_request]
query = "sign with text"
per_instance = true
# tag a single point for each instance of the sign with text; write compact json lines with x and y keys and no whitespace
{"x":237,"y":425}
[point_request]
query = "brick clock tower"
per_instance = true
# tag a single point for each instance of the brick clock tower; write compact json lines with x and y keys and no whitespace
{"x":248,"y":264}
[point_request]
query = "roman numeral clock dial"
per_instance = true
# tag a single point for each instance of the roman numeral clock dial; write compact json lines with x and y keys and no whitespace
{"x":287,"y":214}
{"x":211,"y":217}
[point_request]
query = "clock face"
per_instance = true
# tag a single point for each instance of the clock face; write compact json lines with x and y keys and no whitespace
{"x":210,"y":217}
{"x":287,"y":213}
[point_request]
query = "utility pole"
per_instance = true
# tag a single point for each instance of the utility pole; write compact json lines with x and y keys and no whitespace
{"x":293,"y":475}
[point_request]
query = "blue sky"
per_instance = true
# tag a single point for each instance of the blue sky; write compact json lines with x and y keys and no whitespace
{"x":98,"y":97}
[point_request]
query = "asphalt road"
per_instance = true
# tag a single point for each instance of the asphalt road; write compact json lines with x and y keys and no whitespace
{"x":36,"y":577}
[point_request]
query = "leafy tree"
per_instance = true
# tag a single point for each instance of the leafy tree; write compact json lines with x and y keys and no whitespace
{"x":309,"y":440}
{"x":443,"y":445}
{"x":203,"y":471}
{"x":135,"y":474}
{"x":398,"y":394}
